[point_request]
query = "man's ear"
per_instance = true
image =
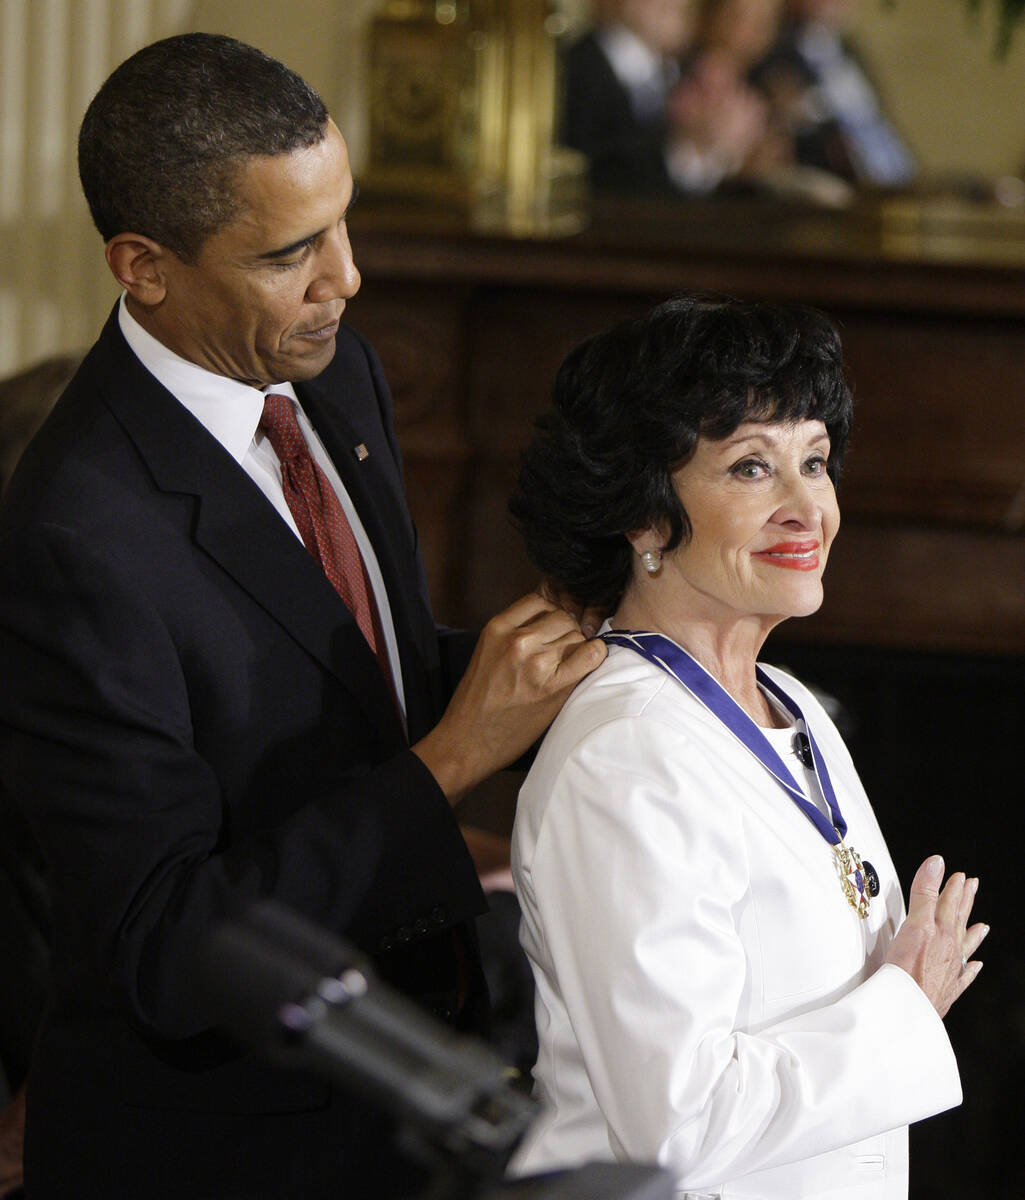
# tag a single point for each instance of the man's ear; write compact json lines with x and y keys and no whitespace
{"x":139,"y":264}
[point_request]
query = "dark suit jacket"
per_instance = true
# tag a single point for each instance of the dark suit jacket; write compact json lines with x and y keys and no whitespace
{"x":24,"y":936}
{"x":191,"y":719}
{"x":625,"y":154}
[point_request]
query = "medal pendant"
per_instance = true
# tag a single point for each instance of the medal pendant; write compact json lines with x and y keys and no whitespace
{"x":852,"y":877}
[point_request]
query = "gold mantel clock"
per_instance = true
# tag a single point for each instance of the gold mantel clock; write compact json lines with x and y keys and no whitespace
{"x":462,"y":111}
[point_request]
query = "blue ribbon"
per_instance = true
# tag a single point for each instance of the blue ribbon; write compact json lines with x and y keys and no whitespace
{"x":686,"y":670}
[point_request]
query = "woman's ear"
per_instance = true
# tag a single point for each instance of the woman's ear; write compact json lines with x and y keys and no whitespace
{"x":645,"y":539}
{"x":139,"y":265}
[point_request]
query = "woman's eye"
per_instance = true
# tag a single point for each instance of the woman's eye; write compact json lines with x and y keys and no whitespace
{"x":816,"y":465}
{"x":750,"y":468}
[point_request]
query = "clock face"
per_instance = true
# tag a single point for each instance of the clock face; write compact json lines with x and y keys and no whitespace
{"x":417,"y":77}
{"x":413,"y":98}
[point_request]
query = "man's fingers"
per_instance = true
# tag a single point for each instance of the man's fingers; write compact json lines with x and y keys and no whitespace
{"x":546,"y":628}
{"x":580,"y":661}
{"x":527,"y":608}
{"x":551,"y":625}
{"x":589,"y":619}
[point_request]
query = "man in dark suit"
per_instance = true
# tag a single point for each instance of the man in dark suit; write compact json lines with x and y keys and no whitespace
{"x":193,"y":717}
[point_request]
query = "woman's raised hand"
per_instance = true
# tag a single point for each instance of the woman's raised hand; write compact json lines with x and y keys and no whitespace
{"x":935,"y":945}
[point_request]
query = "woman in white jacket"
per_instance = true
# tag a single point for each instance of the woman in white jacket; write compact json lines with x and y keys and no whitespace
{"x":726,"y":981}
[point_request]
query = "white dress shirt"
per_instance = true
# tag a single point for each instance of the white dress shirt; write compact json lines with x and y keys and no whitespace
{"x":879,"y":155}
{"x":648,"y":78}
{"x":645,"y":76}
{"x":706,"y":998}
{"x":230,"y":411}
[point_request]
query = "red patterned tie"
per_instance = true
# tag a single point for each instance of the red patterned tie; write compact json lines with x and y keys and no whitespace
{"x":322,"y":523}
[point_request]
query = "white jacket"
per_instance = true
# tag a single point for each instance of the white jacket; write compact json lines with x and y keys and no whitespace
{"x":706,"y":998}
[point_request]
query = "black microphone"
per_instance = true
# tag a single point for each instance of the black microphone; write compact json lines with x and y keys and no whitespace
{"x":802,"y":748}
{"x":310,"y":1000}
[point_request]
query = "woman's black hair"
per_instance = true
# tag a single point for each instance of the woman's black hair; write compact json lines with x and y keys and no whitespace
{"x":628,"y":407}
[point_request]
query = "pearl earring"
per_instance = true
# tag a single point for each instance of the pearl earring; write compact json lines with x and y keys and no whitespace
{"x":652,"y":561}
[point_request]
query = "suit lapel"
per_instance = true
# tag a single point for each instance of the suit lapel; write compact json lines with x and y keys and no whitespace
{"x":232,"y":515}
{"x":375,"y":486}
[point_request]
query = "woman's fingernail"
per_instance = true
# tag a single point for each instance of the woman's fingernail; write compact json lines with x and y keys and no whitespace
{"x":934,"y":865}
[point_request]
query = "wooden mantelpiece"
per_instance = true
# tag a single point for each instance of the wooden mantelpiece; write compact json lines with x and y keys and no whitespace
{"x":931,"y":304}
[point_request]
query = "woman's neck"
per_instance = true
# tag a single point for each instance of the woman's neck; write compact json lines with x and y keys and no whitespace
{"x":728,"y":650}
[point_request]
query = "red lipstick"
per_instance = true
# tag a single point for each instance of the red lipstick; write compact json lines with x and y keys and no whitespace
{"x":793,"y":556}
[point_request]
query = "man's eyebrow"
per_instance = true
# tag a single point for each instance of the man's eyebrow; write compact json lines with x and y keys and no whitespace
{"x":302,"y":243}
{"x":292,"y":248}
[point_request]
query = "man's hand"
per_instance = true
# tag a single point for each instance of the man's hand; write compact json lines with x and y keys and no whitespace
{"x":935,"y":945}
{"x":589,"y":619}
{"x":717,"y":112}
{"x":527,"y":661}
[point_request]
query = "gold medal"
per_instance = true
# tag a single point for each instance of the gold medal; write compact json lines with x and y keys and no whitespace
{"x":858,"y":879}
{"x":851,"y":871}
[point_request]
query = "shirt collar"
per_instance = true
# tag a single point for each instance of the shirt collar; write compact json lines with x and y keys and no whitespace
{"x":819,"y":44}
{"x":633,"y":62}
{"x":229,"y":411}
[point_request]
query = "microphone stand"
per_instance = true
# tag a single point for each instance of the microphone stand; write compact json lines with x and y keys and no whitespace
{"x":309,"y":1000}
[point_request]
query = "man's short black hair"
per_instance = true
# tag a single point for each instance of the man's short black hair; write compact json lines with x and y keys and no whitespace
{"x":164,"y":139}
{"x":628,"y":408}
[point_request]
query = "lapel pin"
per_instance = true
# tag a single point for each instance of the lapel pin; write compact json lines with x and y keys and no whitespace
{"x":361,"y":452}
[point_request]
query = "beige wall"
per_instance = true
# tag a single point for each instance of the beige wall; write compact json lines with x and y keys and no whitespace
{"x":321,"y":39}
{"x":959,"y":109}
{"x":54,"y":54}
